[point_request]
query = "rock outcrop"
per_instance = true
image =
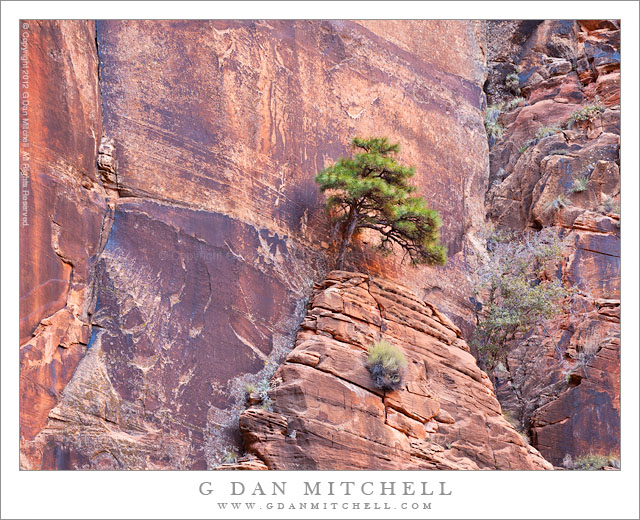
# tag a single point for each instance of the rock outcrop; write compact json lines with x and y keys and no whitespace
{"x":562,"y":383}
{"x":324,"y":411}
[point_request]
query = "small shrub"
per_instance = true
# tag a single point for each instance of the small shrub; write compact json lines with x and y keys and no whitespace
{"x":261,"y":388}
{"x":609,"y":205}
{"x":494,"y":130}
{"x":514,"y":103}
{"x":387,"y":365}
{"x":580,"y":184}
{"x":571,"y":377}
{"x":546,"y":131}
{"x":514,"y":297}
{"x":524,"y":146}
{"x":567,"y":461}
{"x":561,"y":201}
{"x":588,"y":113}
{"x":512,"y":82}
{"x":593,"y":461}
{"x":492,"y":126}
{"x":559,"y":151}
{"x":230,"y":456}
{"x":267,"y":404}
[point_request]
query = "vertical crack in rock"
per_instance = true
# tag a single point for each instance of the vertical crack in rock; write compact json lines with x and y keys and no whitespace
{"x":79,"y":216}
{"x":382,"y":323}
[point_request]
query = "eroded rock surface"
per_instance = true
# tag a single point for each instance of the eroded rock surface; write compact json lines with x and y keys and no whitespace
{"x":327,"y":414}
{"x":175,"y":232}
{"x":199,"y":141}
{"x":66,"y":214}
{"x":237,"y":117}
{"x":562,"y":382}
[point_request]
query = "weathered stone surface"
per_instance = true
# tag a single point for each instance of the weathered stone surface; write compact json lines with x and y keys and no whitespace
{"x":173,"y":331}
{"x":328,"y":415}
{"x":505,"y":40}
{"x":563,"y":386}
{"x":237,"y":117}
{"x":212,"y":135}
{"x":66,"y":214}
{"x":562,"y":382}
{"x":64,"y":131}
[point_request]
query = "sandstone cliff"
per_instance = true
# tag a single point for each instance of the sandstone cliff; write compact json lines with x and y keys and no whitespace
{"x":189,"y":149}
{"x":175,"y":235}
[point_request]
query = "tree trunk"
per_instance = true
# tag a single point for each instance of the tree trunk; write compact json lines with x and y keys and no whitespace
{"x":352,"y":221}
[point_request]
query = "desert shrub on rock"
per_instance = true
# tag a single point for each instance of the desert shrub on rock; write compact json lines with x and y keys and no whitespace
{"x":491,"y":122}
{"x":387,"y":365}
{"x":591,"y":462}
{"x":587,"y":113}
{"x":514,"y":296}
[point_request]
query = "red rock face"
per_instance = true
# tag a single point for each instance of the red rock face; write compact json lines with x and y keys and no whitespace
{"x":326,"y":412}
{"x":562,"y":382}
{"x":213,"y":132}
{"x":237,"y":118}
{"x":175,"y":232}
{"x":65,"y":213}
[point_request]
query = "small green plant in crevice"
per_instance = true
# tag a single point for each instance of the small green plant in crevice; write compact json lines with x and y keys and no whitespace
{"x":512,"y":82}
{"x":229,"y":456}
{"x":568,"y":377}
{"x":546,"y":131}
{"x":249,"y":389}
{"x":588,"y":113}
{"x":261,"y":392}
{"x":512,"y":296}
{"x":561,"y":201}
{"x":491,"y":124}
{"x":609,"y":205}
{"x":591,"y":462}
{"x":526,"y":145}
{"x":267,"y":404}
{"x":515,"y":103}
{"x":387,"y":365}
{"x":580,"y":184}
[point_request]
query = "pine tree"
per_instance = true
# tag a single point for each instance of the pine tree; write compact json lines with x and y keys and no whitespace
{"x":370,"y":190}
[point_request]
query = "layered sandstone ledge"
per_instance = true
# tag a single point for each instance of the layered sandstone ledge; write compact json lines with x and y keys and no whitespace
{"x":326,"y":413}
